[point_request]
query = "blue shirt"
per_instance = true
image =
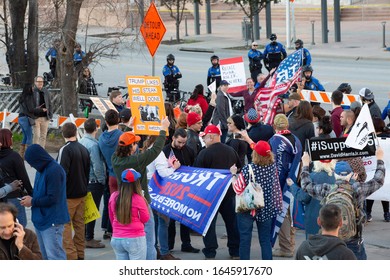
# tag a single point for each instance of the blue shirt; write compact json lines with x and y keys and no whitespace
{"x":97,"y":170}
{"x":170,"y":70}
{"x":78,"y":56}
{"x":52,"y":52}
{"x":314,"y":84}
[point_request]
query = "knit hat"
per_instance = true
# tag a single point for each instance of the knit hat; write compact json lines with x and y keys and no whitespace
{"x":130,"y":175}
{"x":281,"y":122}
{"x":238,"y":122}
{"x":366,"y":94}
{"x":252,"y":116}
{"x":128,"y":138}
{"x":210,"y":129}
{"x":262,"y":148}
{"x":342,"y":168}
{"x":193,"y":118}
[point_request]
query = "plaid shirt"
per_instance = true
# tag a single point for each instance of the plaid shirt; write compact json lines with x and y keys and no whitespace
{"x":361,"y":190}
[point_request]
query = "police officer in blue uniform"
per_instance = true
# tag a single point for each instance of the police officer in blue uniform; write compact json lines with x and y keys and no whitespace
{"x":172,"y":75}
{"x":214,"y":73}
{"x":306,"y":53}
{"x":255,"y":56}
{"x":51,"y":57}
{"x":310,"y":82}
{"x":273,"y":53}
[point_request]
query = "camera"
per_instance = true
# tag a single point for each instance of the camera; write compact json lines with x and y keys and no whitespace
{"x":237,"y":136}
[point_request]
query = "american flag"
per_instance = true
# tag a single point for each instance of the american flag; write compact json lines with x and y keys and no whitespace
{"x":288,"y":72}
{"x":171,"y":159}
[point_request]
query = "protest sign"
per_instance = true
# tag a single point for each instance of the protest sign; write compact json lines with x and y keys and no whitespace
{"x":190,"y":195}
{"x":146,"y":103}
{"x":233,"y":71}
{"x":91,"y":212}
{"x":335,"y":148}
{"x":370,"y":165}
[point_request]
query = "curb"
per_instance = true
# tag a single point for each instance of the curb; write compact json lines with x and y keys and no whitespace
{"x":188,"y":49}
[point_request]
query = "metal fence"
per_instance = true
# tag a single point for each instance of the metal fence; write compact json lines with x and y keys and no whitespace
{"x":9,"y":99}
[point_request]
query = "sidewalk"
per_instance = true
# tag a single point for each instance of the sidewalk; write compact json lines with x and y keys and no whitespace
{"x":359,"y":40}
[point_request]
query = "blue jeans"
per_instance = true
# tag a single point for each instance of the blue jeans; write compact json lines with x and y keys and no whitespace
{"x":163,"y":234}
{"x":22,"y":217}
{"x":357,"y":247}
{"x":27,"y":130}
{"x":151,"y":253}
{"x":129,"y":248}
{"x":245,"y":227}
{"x":50,"y":242}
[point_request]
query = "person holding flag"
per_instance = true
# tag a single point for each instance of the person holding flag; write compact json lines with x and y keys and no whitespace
{"x":288,"y":73}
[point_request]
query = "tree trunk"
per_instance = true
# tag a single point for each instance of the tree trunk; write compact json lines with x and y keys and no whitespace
{"x":32,"y":41}
{"x":17,"y":49}
{"x":65,"y":57}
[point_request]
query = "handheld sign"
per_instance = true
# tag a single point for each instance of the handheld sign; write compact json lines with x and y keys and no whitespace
{"x":146,"y":103}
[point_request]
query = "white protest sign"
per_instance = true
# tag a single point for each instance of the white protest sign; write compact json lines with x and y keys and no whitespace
{"x":233,"y":71}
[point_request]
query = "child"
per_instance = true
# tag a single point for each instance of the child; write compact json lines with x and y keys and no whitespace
{"x":128,"y":211}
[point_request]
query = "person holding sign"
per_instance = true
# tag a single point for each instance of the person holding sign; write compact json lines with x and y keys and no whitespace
{"x":128,"y":211}
{"x":127,"y":156}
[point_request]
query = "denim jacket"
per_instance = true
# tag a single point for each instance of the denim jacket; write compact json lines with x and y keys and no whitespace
{"x":97,"y":171}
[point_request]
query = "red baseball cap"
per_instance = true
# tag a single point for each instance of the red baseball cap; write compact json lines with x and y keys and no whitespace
{"x":210,"y":129}
{"x":262,"y":148}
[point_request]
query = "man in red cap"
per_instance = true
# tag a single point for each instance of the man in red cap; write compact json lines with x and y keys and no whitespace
{"x":220,"y":156}
{"x":194,"y":125}
{"x":127,"y":156}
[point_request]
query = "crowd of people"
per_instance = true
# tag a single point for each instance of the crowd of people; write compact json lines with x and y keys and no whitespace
{"x":117,"y":165}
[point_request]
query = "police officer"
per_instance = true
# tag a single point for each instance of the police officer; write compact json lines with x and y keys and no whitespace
{"x":255,"y":56}
{"x":172,"y":75}
{"x":274,"y":53}
{"x":51,"y":57}
{"x":306,"y":53}
{"x":214,"y":73}
{"x":310,"y":82}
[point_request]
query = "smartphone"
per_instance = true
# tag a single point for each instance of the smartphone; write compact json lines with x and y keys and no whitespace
{"x":237,"y":136}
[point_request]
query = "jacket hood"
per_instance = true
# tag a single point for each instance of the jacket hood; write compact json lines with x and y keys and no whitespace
{"x":320,"y":246}
{"x":5,"y":152}
{"x":37,"y":157}
{"x":110,"y":139}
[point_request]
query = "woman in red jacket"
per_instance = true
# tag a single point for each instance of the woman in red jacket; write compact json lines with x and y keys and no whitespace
{"x":198,"y":97}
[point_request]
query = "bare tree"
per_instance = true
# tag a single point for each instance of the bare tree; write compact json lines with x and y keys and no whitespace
{"x":32,"y":41}
{"x":65,"y":57}
{"x":252,"y":8}
{"x":176,"y":11}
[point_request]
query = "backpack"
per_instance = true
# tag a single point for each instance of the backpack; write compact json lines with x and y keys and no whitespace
{"x":342,"y":196}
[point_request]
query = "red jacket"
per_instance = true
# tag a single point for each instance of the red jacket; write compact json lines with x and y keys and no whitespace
{"x":201,"y":100}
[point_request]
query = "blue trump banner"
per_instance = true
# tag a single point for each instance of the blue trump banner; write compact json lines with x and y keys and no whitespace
{"x":190,"y":195}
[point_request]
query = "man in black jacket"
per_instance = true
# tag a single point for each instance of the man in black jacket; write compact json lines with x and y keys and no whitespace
{"x":75,"y":160}
{"x":220,"y":156}
{"x":327,"y":245}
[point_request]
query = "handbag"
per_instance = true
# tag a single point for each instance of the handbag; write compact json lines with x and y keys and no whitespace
{"x":31,"y":121}
{"x":252,"y":197}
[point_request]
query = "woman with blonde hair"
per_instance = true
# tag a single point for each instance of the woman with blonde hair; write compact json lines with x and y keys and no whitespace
{"x":265,"y":172}
{"x":128,"y":211}
{"x":322,"y":173}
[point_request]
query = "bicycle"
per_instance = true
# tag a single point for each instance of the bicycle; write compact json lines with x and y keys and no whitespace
{"x":182,"y":101}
